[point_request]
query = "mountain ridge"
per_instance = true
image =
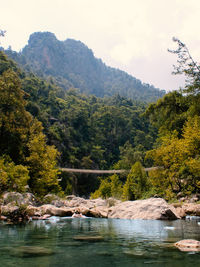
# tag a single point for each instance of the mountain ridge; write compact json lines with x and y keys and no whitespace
{"x":72,"y":64}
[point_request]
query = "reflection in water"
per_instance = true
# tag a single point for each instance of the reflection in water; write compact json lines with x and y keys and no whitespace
{"x":97,"y":242}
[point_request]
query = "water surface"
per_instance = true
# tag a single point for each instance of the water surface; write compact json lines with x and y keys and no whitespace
{"x":55,"y":242}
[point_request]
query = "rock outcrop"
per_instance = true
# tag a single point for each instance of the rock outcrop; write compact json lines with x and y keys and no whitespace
{"x":147,"y":209}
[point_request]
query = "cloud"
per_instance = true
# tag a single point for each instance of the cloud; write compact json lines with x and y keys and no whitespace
{"x":129,"y":34}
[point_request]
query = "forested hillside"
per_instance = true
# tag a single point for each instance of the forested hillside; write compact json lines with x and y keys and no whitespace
{"x":176,"y":152}
{"x":44,"y":127}
{"x":73,"y":65}
{"x":89,"y":132}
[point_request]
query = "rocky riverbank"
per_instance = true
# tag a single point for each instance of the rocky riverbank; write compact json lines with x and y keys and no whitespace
{"x":22,"y":207}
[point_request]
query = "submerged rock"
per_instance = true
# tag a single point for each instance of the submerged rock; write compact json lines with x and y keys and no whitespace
{"x":89,"y":238}
{"x":30,"y":251}
{"x":188,"y":245}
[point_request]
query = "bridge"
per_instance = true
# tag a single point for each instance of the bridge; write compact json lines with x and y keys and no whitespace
{"x":88,"y":171}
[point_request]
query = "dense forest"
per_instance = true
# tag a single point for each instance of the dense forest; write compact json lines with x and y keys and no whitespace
{"x":43,"y":127}
{"x":71,"y":64}
{"x":88,"y":132}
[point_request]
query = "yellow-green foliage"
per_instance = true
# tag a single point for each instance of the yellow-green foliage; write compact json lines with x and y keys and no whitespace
{"x":116,"y":186}
{"x":14,"y":119}
{"x":110,"y":187}
{"x":135,"y":184}
{"x":13,"y":177}
{"x":42,"y":162}
{"x":134,"y":187}
{"x":180,"y":161}
{"x":103,"y":191}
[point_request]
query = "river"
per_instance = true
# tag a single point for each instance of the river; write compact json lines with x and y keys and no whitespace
{"x":114,"y":242}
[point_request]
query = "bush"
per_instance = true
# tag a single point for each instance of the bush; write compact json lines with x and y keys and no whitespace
{"x":13,"y":177}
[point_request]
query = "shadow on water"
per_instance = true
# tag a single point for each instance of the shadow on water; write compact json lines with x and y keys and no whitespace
{"x":97,"y":242}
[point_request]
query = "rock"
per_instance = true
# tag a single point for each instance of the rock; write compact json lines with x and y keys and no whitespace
{"x":54,"y":211}
{"x":58,"y":203}
{"x":191,"y":209}
{"x":89,"y":238}
{"x":18,"y":199}
{"x":188,"y":245}
{"x":76,"y":202}
{"x":187,"y":209}
{"x":44,"y":217}
{"x":99,"y":202}
{"x":27,"y":251}
{"x":29,"y":199}
{"x":70,"y":197}
{"x":147,"y":209}
{"x":33,"y":211}
{"x":13,"y":197}
{"x":9,"y":209}
{"x":112,"y":202}
{"x":180,"y":212}
{"x":98,"y":212}
{"x":49,"y":198}
{"x":14,"y":213}
{"x":3,"y":218}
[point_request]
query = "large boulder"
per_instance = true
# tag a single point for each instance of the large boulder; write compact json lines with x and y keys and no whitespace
{"x":147,"y":209}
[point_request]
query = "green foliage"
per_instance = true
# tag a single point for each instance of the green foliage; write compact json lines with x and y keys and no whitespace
{"x":12,"y":177}
{"x":177,"y":116}
{"x":116,"y":186}
{"x":169,"y":113}
{"x":134,"y":187}
{"x":22,"y":139}
{"x":89,"y":132}
{"x":14,"y":120}
{"x":109,"y":187}
{"x":42,"y":162}
{"x":179,"y":158}
{"x":104,"y":190}
{"x":136,"y":183}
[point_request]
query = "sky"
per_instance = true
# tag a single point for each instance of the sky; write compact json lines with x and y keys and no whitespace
{"x":131,"y":35}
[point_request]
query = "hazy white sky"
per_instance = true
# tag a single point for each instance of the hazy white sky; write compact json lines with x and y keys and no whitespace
{"x":132,"y":35}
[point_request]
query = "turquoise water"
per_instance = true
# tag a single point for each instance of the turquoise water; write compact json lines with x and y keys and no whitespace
{"x":57,"y":242}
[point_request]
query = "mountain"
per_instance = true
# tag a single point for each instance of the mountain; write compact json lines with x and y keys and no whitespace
{"x":70,"y":63}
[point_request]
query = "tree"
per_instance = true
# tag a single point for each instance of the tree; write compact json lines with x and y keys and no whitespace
{"x":104,"y":190}
{"x":2,"y":33}
{"x":14,"y":119}
{"x":136,"y":183}
{"x":187,"y":66}
{"x":42,"y":162}
{"x":12,"y":177}
{"x":179,"y":159}
{"x":169,"y":113}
